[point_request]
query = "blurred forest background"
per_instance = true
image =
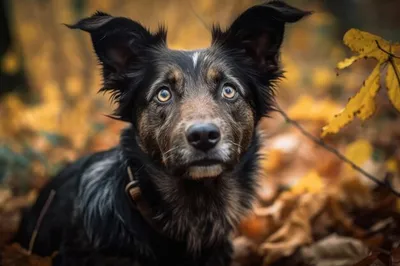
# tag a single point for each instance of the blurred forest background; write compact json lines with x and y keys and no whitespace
{"x":313,"y":208}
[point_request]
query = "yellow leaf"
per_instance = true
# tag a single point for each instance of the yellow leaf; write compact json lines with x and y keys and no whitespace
{"x":348,"y":61}
{"x":361,"y":105}
{"x":365,"y":44}
{"x":311,"y":182}
{"x":358,"y":152}
{"x":393,"y":82}
{"x":322,"y":110}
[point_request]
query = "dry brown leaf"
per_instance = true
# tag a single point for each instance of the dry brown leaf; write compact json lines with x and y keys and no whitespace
{"x":341,"y":218}
{"x":281,"y":207}
{"x":5,"y":194}
{"x":244,"y":251}
{"x":16,"y":203}
{"x":370,"y":260}
{"x":296,"y":230}
{"x":311,"y":182}
{"x":15,"y":255}
{"x":335,"y":250}
{"x":395,"y":254}
{"x":278,"y":152}
{"x":255,"y":227}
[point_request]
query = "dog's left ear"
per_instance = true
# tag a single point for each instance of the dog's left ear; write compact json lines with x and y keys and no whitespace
{"x":259,"y":30}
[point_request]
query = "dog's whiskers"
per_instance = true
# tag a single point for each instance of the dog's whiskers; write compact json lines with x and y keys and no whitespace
{"x":235,"y":144}
{"x":168,"y":154}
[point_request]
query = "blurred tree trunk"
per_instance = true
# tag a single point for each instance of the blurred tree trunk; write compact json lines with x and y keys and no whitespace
{"x":11,"y":73}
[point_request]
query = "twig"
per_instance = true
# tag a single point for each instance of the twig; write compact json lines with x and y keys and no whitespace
{"x":39,"y":220}
{"x":397,"y":74}
{"x":202,"y":21}
{"x":386,"y":52}
{"x":331,"y":149}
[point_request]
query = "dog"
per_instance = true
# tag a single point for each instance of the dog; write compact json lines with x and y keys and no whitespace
{"x":184,"y":172}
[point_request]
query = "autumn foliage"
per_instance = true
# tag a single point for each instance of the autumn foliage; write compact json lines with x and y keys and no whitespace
{"x":336,"y":114}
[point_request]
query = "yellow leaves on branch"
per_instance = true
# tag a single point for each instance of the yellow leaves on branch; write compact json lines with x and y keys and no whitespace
{"x":393,"y":82}
{"x":362,"y":105}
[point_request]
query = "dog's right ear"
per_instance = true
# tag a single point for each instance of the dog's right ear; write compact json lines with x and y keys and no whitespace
{"x":259,"y":31}
{"x":117,"y":41}
{"x":121,"y":46}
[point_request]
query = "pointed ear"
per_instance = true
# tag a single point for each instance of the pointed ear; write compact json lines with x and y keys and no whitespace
{"x":117,"y":41}
{"x":121,"y":46}
{"x":259,"y":31}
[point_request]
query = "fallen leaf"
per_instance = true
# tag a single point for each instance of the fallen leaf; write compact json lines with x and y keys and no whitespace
{"x":369,"y":260}
{"x":395,"y":254}
{"x":335,"y":208}
{"x":296,"y":230}
{"x":16,"y":203}
{"x":254,"y":227}
{"x":245,"y":251}
{"x":15,"y":255}
{"x":5,"y":194}
{"x":311,"y":183}
{"x":334,"y":250}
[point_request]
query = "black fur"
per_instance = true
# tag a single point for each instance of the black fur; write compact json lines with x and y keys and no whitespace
{"x":91,"y":221}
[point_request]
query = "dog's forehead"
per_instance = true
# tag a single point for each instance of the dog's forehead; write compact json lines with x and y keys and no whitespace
{"x":190,"y":61}
{"x":195,"y":67}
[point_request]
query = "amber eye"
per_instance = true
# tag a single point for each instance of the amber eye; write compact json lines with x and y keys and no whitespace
{"x":164,"y":95}
{"x":228,"y":92}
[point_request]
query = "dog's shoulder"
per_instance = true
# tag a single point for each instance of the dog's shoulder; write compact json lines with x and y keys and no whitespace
{"x":58,"y":194}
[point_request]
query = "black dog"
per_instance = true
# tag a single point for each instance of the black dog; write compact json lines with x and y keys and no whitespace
{"x":184,"y":173}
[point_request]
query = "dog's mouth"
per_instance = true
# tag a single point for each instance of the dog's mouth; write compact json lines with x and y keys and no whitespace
{"x":201,"y":169}
{"x":204,"y":169}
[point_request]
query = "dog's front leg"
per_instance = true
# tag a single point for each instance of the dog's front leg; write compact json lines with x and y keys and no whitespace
{"x":220,"y":255}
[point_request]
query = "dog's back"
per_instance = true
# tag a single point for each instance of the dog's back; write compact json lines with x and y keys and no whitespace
{"x":57,"y":216}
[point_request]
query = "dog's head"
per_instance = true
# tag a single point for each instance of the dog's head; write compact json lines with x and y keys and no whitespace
{"x":194,"y":112}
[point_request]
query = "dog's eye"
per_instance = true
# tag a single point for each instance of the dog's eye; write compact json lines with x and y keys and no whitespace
{"x":228,"y":92}
{"x":164,"y":95}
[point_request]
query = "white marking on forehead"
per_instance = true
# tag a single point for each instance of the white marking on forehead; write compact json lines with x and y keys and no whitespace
{"x":195,"y":56}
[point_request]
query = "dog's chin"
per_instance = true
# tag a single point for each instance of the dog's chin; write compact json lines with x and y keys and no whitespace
{"x":197,"y":172}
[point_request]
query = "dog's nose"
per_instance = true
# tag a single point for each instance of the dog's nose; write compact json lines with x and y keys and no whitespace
{"x":203,"y":136}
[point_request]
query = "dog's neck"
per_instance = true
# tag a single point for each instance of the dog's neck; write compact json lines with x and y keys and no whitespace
{"x":200,"y":213}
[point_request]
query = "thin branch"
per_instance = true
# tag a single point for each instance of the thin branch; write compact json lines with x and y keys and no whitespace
{"x":386,"y":52}
{"x":202,"y":21}
{"x":334,"y":151}
{"x":39,"y":221}
{"x":396,"y":72}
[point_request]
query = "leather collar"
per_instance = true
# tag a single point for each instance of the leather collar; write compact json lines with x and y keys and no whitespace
{"x":134,"y":192}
